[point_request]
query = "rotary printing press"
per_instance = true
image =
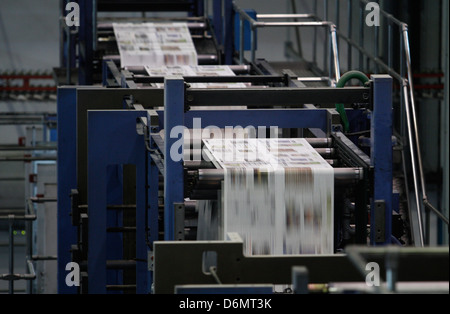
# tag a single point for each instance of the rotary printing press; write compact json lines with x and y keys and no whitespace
{"x":128,"y":213}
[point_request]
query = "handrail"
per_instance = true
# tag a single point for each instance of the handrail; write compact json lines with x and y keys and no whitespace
{"x":243,"y":16}
{"x":28,"y":216}
{"x":405,"y":79}
{"x":403,"y":76}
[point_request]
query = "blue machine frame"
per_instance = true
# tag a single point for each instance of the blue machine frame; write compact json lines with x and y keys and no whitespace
{"x":113,"y":140}
{"x":87,"y":32}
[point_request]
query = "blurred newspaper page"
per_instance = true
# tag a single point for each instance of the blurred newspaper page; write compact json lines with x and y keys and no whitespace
{"x":278,"y":195}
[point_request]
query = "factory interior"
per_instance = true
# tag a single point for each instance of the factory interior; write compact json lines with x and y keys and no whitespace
{"x":306,"y":152}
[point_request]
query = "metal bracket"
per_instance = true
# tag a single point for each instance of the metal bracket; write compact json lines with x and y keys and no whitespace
{"x":75,"y":211}
{"x":333,"y":122}
{"x":179,"y":210}
{"x":300,"y":279}
{"x":150,"y":260}
{"x":153,"y":118}
{"x":380,"y":220}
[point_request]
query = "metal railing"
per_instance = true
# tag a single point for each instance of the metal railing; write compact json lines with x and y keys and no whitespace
{"x":28,"y":216}
{"x":301,"y":20}
{"x":369,"y":60}
{"x":399,"y":68}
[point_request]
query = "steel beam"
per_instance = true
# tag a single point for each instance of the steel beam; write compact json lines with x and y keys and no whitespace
{"x":67,"y":180}
{"x":381,"y":160}
{"x":173,"y":169}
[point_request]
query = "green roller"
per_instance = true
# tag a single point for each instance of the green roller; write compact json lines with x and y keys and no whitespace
{"x":340,"y":84}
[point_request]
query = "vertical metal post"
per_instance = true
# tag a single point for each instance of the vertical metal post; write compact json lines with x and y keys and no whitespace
{"x":327,"y":38}
{"x":361,"y":202}
{"x":29,"y":248}
{"x":391,"y":269}
{"x":11,"y":253}
{"x":67,"y":180}
{"x":218,"y":20}
{"x":404,"y":31}
{"x":376,"y":46}
{"x":413,"y":162}
{"x":86,"y":54}
{"x":381,"y":156}
{"x":427,"y":226}
{"x":330,"y":59}
{"x":338,"y":11}
{"x":241,"y":40}
{"x":335,"y":52}
{"x":315,"y":35}
{"x":402,"y":74}
{"x":173,"y":169}
{"x":349,"y":34}
{"x":62,"y":40}
{"x":413,"y":108}
{"x":390,"y":46}
{"x":94,"y":25}
{"x":445,"y":121}
{"x":153,"y":199}
{"x":140,"y":160}
{"x":253,"y":42}
{"x":361,"y":36}
{"x":229,"y":35}
{"x":69,"y":56}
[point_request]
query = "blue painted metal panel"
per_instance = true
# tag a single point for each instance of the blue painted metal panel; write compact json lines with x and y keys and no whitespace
{"x":228,"y":40}
{"x":67,"y":180}
{"x":153,"y":199}
{"x":381,"y":152}
{"x":247,"y":31}
{"x":113,"y":140}
{"x":173,"y":169}
{"x":218,"y":21}
{"x":86,"y":39}
{"x":114,"y":196}
{"x":283,"y":118}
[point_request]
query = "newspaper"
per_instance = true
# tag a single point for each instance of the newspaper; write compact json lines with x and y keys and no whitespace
{"x":278,"y":195}
{"x":199,"y":70}
{"x":154,"y":44}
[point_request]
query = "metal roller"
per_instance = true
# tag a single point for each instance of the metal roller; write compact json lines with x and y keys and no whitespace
{"x":340,"y":174}
{"x":203,"y":164}
{"x":324,"y":152}
{"x":318,"y":143}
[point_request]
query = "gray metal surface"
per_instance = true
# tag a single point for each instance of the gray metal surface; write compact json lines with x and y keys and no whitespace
{"x":180,"y":263}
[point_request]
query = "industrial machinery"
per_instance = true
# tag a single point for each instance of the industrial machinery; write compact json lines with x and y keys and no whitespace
{"x":128,"y":214}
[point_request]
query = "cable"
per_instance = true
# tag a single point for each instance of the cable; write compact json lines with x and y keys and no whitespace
{"x":212,"y":269}
{"x":340,"y":84}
